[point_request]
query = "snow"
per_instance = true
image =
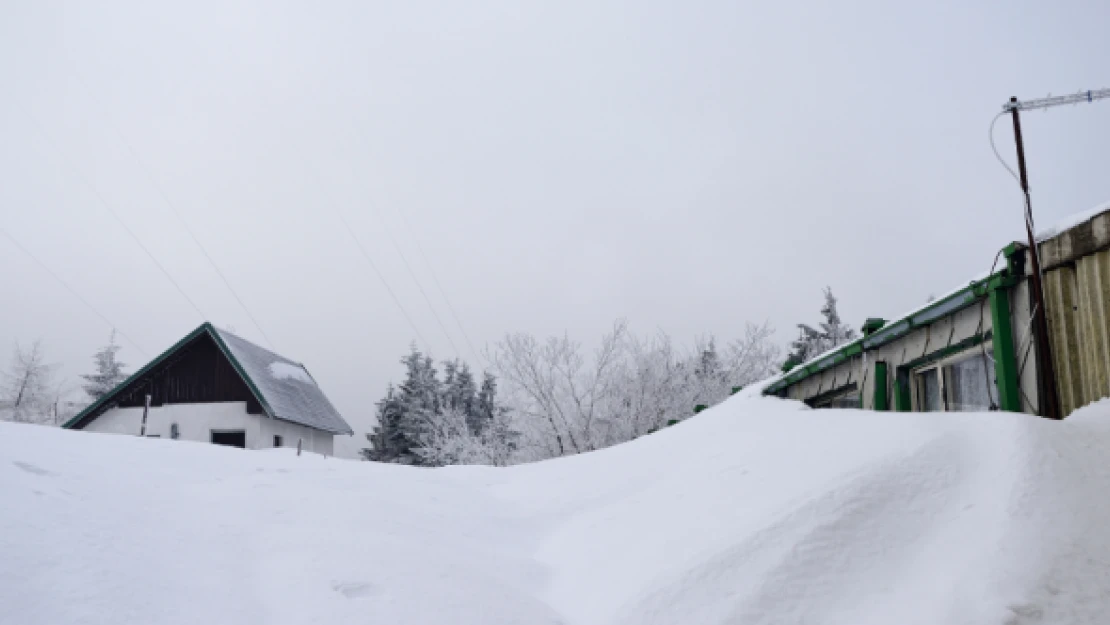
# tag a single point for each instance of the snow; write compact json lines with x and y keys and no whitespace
{"x":755,"y":511}
{"x":286,"y":371}
{"x":1071,"y":221}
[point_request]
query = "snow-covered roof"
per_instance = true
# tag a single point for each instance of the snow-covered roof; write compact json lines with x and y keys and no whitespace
{"x":950,"y":302}
{"x":1071,"y":221}
{"x":286,"y":387}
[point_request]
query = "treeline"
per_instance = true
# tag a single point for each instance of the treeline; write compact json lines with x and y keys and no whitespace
{"x":547,"y":398}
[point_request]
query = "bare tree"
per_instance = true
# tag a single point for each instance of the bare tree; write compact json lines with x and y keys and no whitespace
{"x":565,"y":403}
{"x":25,"y":388}
{"x":553,"y":387}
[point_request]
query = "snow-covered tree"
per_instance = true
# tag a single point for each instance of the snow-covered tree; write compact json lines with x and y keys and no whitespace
{"x":388,"y":440}
{"x":556,"y":391}
{"x":427,"y":422}
{"x":405,"y":412}
{"x":25,"y":388}
{"x":551,"y":398}
{"x":109,"y":370}
{"x":830,"y":333}
{"x":565,"y":402}
{"x":836,"y":332}
{"x":449,"y":439}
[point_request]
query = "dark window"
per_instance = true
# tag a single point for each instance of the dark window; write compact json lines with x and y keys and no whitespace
{"x":277,"y":440}
{"x":847,"y":400}
{"x":844,"y":397}
{"x":231,"y":439}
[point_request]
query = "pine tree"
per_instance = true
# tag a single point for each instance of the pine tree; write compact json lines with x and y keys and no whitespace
{"x":425,"y":422}
{"x":464,"y":396}
{"x":109,"y":371}
{"x":486,"y":407}
{"x":812,"y":341}
{"x":833,"y":330}
{"x":493,"y":423}
{"x":405,"y":413}
{"x":388,"y":442}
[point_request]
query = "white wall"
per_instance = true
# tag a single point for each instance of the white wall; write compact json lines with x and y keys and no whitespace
{"x":195,"y":422}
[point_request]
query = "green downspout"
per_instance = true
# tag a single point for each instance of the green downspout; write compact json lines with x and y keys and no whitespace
{"x":1005,"y":362}
{"x":902,"y":392}
{"x":880,"y":401}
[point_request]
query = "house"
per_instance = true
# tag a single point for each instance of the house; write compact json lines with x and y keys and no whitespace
{"x":213,"y":386}
{"x":973,"y":349}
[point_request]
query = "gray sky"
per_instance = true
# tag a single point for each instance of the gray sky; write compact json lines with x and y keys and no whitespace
{"x":687,"y":165}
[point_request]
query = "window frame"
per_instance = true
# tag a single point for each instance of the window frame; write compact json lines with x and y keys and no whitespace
{"x":825,"y":400}
{"x":917,"y":384}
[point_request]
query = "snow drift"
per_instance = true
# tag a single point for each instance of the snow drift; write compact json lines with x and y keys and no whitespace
{"x":757,"y":511}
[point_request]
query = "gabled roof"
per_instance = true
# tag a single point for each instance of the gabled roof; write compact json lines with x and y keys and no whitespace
{"x":283,"y":388}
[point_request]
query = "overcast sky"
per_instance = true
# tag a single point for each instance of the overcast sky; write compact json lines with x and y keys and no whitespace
{"x":687,"y":165}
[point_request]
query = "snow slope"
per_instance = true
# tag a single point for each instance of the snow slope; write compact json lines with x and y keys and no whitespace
{"x":757,"y":511}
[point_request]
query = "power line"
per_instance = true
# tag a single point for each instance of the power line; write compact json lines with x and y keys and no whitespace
{"x":71,"y":290}
{"x":104,"y":203}
{"x":408,"y":268}
{"x":435,"y":279}
{"x":365,"y":255}
{"x":377,"y":272}
{"x":173,"y":209}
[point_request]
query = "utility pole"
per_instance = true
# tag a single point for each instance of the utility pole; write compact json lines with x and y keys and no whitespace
{"x":1046,"y":374}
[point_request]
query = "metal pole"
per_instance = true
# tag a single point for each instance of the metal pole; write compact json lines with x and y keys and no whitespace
{"x":1046,"y":374}
{"x":146,"y":409}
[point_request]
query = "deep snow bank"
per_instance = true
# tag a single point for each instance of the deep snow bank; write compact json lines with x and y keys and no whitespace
{"x":757,"y":511}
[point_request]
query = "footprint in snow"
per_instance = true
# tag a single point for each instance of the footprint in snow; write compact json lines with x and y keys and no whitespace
{"x":30,"y":468}
{"x":353,"y":590}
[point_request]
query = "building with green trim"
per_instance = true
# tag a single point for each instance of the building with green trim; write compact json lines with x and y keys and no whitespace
{"x":959,"y":352}
{"x":973,"y":349}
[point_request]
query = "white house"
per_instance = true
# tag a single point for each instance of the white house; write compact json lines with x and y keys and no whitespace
{"x":216,"y":387}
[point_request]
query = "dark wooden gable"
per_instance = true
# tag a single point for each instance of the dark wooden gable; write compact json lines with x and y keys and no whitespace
{"x":197,"y":372}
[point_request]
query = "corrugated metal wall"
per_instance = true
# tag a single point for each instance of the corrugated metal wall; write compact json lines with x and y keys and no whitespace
{"x":1078,"y":302}
{"x":1077,"y":297}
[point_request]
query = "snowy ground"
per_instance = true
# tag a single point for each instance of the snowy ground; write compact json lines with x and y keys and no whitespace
{"x":757,"y":511}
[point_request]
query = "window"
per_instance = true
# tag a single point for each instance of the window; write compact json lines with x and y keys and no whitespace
{"x":231,"y":438}
{"x":965,"y":382}
{"x":277,"y":440}
{"x":928,"y":391}
{"x":969,"y":383}
{"x":843,"y":397}
{"x":847,"y":400}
